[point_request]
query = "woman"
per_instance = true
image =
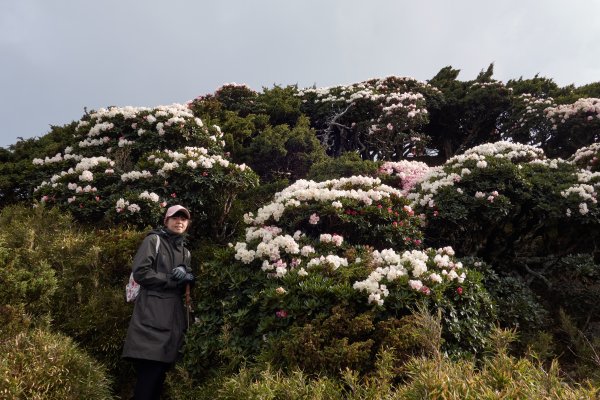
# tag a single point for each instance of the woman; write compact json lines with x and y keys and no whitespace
{"x":156,"y":330}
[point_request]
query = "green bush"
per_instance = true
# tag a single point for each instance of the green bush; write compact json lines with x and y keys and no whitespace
{"x":57,"y":274}
{"x":33,"y":245}
{"x":346,"y":165}
{"x":499,"y":375}
{"x":428,"y":375}
{"x":37,"y":364}
{"x":518,"y":306}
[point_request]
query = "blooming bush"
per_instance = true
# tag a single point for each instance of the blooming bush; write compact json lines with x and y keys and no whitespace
{"x":588,"y":157}
{"x":381,"y":118}
{"x":514,"y":208}
{"x":352,"y":243}
{"x":526,"y":122}
{"x":491,"y":192}
{"x":132,"y":162}
{"x":574,"y":125}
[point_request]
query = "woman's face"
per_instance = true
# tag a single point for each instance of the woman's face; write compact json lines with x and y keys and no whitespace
{"x":177,"y":224}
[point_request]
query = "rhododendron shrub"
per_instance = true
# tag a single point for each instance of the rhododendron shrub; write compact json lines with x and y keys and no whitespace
{"x":507,"y":199}
{"x":511,"y":206}
{"x":526,"y":121}
{"x":588,"y":157}
{"x":130,"y":163}
{"x":560,"y":130}
{"x":353,"y":243}
{"x":575,"y":125}
{"x":380,"y":118}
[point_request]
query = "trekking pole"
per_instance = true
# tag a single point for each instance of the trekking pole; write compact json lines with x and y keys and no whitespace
{"x":188,"y":303}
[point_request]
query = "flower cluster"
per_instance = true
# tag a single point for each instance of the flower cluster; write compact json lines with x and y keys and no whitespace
{"x":463,"y":165}
{"x":335,"y":239}
{"x":83,"y":172}
{"x":588,"y":157}
{"x":491,"y":197}
{"x":584,"y":192}
{"x":149,"y":196}
{"x":409,"y":173}
{"x":58,"y":157}
{"x":123,"y":205}
{"x":280,"y":247}
{"x":119,"y":127}
{"x":192,"y":158}
{"x":422,"y":271}
{"x":363,"y":189}
{"x":331,"y":260}
{"x":589,"y":108}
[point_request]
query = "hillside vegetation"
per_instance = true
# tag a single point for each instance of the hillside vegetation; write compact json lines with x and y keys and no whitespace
{"x":386,"y":239}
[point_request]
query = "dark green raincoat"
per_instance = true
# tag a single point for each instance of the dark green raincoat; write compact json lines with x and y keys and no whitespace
{"x":158,"y":322}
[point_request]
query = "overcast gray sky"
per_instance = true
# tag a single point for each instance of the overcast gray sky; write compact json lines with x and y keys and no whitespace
{"x":59,"y":56}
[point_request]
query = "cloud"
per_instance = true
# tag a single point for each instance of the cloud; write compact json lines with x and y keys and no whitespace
{"x":62,"y":56}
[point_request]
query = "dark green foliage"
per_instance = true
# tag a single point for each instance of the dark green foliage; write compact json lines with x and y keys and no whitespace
{"x":518,"y":306}
{"x":281,"y":104}
{"x":221,"y":338}
{"x":346,"y":165}
{"x":537,"y":86}
{"x":467,"y":115}
{"x":573,"y":284}
{"x":238,"y":98}
{"x":279,"y":152}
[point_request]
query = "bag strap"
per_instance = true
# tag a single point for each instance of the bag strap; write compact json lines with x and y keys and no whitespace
{"x":157,"y":244}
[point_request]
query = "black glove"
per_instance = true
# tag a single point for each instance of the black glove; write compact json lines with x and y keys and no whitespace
{"x":189,"y":278}
{"x":178,"y":273}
